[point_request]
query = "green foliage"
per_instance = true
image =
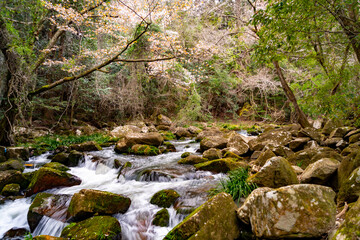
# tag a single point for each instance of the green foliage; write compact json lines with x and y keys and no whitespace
{"x":235,"y":184}
{"x":28,"y":236}
{"x":192,"y":110}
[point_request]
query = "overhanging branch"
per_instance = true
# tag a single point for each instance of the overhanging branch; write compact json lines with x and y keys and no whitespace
{"x":143,"y":60}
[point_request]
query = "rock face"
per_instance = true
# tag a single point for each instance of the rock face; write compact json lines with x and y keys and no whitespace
{"x":350,"y":188}
{"x":47,"y":204}
{"x":237,"y":142}
{"x":212,"y":154}
{"x":273,"y":137}
{"x":164,"y":198}
{"x":350,"y":228}
{"x":161,"y":218}
{"x":218,"y":142}
{"x":47,"y":178}
{"x":221,"y":165}
{"x":89,"y":202}
{"x":320,"y":171}
{"x":296,"y":211}
{"x":276,"y":172}
{"x":99,"y":227}
{"x":215,"y":220}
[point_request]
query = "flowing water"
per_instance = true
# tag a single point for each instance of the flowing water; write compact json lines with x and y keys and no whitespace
{"x":145,"y":177}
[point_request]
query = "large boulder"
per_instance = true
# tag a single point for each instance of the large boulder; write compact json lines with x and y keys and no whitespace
{"x":86,"y":147}
{"x":264,"y":156}
{"x":161,"y":218}
{"x":350,"y":228}
{"x":347,"y":165}
{"x":49,"y":205}
{"x":212,"y":154}
{"x":99,"y":227}
{"x":147,"y":150}
{"x":213,"y":142}
{"x":47,"y":178}
{"x":320,"y":172}
{"x":12,"y":176}
{"x":18,"y":153}
{"x":350,"y":188}
{"x":237,"y":142}
{"x":164,"y":198}
{"x":122,"y":131}
{"x":215,"y":220}
{"x":151,"y":138}
{"x":330,"y":126}
{"x":295,"y":211}
{"x":181,"y":132}
{"x":209,"y":133}
{"x":192,"y":159}
{"x":12,"y":164}
{"x":307,"y":156}
{"x":273,"y":137}
{"x":57,"y":166}
{"x":12,"y":189}
{"x":89,"y":202}
{"x":163,"y":120}
{"x":276,"y":172}
{"x":221,"y":165}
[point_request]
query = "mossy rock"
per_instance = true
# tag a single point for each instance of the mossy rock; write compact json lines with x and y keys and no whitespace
{"x":347,"y":165}
{"x":215,"y":220}
{"x":192,"y":159}
{"x":57,"y":166}
{"x":74,"y":158}
{"x":164,"y":198}
{"x":86,"y":147}
{"x":146,"y":150}
{"x":212,"y":154}
{"x":12,"y":164}
{"x":350,"y":188}
{"x":229,"y":154}
{"x":12,"y":176}
{"x":264,"y":156}
{"x":62,"y":158}
{"x":185,"y":154}
{"x":47,"y":178}
{"x":89,"y":202}
{"x":221,"y":165}
{"x":99,"y":227}
{"x":47,"y":237}
{"x":218,"y":142}
{"x":17,"y":153}
{"x":12,"y":189}
{"x":161,"y":218}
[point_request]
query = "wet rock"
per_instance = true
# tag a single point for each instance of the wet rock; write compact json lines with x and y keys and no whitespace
{"x":12,"y":164}
{"x":212,"y":154}
{"x":170,"y":147}
{"x":86,"y":147}
{"x":181,"y":132}
{"x":152,"y":175}
{"x":264,"y":156}
{"x":276,"y":172}
{"x":215,"y":219}
{"x":320,"y":171}
{"x":18,"y":153}
{"x":47,"y":178}
{"x":12,"y":176}
{"x":89,"y":202}
{"x":57,"y":166}
{"x":347,"y":165}
{"x":354,"y":138}
{"x":161,"y":218}
{"x":15,"y":232}
{"x":12,"y":189}
{"x":273,"y":137}
{"x":49,"y":205}
{"x":193,"y":159}
{"x":164,"y":198}
{"x":350,"y":188}
{"x":237,"y":142}
{"x":295,"y":211}
{"x":75,"y":158}
{"x":307,"y":156}
{"x":163,"y":120}
{"x":62,"y":158}
{"x":146,"y":150}
{"x":350,"y":228}
{"x":185,"y":154}
{"x":221,"y":165}
{"x":99,"y":227}
{"x":213,"y":142}
{"x":298,"y":143}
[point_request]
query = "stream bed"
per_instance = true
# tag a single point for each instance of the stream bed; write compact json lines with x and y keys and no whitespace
{"x":146,"y":176}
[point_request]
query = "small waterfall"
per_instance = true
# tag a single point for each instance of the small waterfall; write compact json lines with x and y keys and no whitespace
{"x":49,"y":226}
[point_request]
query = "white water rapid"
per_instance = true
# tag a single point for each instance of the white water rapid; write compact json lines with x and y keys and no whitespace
{"x":139,"y":185}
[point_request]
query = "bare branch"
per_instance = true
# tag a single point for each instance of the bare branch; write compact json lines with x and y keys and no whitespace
{"x":143,"y":60}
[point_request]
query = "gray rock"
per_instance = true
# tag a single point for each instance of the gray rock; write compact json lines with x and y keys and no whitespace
{"x":320,"y":171}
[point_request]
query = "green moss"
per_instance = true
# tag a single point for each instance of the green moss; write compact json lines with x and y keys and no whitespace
{"x":185,"y":154}
{"x":11,"y":190}
{"x":221,"y":165}
{"x":95,"y":228}
{"x":146,"y":150}
{"x":39,"y":200}
{"x":164,"y":198}
{"x":57,"y":166}
{"x":168,"y":136}
{"x":161,"y":218}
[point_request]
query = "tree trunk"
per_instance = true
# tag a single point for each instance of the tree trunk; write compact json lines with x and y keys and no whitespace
{"x":301,"y":118}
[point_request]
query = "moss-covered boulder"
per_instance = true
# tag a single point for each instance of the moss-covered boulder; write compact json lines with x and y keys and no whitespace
{"x":218,"y":142}
{"x":86,"y":147}
{"x":181,"y":132}
{"x":216,"y":220}
{"x":236,"y":141}
{"x":274,"y":137}
{"x":192,"y":159}
{"x":146,"y":150}
{"x":12,"y":189}
{"x":47,"y":178}
{"x":350,"y":149}
{"x":221,"y":165}
{"x":230,"y":153}
{"x":350,"y":228}
{"x":61,"y":157}
{"x":164,"y":198}
{"x":163,"y":120}
{"x":212,"y":154}
{"x":354,"y":138}
{"x":350,"y":188}
{"x":295,"y":211}
{"x":169,"y":147}
{"x":347,"y":165}
{"x":75,"y":157}
{"x":50,"y":205}
{"x":12,"y":164}
{"x":320,"y":172}
{"x":89,"y":202}
{"x":185,"y":154}
{"x":131,"y":139}
{"x":12,"y":176}
{"x":276,"y":172}
{"x":95,"y":228}
{"x":330,"y":126}
{"x":161,"y":218}
{"x":311,"y":133}
{"x":57,"y":166}
{"x":340,"y":132}
{"x":17,"y":153}
{"x":307,"y":156}
{"x":264,"y":156}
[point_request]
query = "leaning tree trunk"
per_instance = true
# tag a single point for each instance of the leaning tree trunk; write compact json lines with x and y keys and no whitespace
{"x":301,"y":118}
